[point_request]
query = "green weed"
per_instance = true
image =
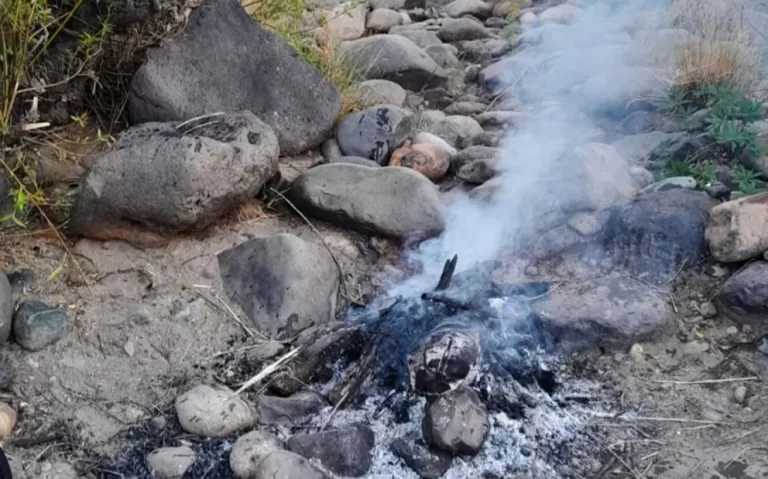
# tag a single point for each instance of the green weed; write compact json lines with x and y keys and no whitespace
{"x":704,"y":172}
{"x":745,"y":179}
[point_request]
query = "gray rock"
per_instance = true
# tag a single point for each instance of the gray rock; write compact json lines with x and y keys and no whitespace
{"x":452,"y":129}
{"x":611,"y":312}
{"x":395,"y":58}
{"x":472,"y":154}
{"x":421,"y":38}
{"x":291,"y":410}
{"x":486,"y":138}
{"x":444,"y":55}
{"x":345,"y":22}
{"x":394,"y":201}
{"x":375,"y":132}
{"x":391,"y":4}
{"x":478,"y":171}
{"x":330,"y":149}
{"x":271,"y":81}
{"x":458,"y":29}
{"x":371,"y":93}
{"x":170,"y":178}
{"x":428,"y":463}
{"x":482,"y":51}
{"x":456,"y":422}
{"x":354,"y":160}
{"x":638,"y":148}
{"x":655,"y":250}
{"x":346,"y":452}
{"x":170,"y":462}
{"x":287,"y":465}
{"x":736,"y":230}
{"x":212,"y":411}
{"x":440,"y":145}
{"x":283,"y":283}
{"x":37,"y":325}
{"x":382,"y":19}
{"x":465,"y":108}
{"x":6,"y":308}
{"x":248,"y":451}
{"x":500,"y":118}
{"x":477,"y":8}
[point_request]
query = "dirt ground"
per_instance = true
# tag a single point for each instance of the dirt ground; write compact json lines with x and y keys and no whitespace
{"x":147,"y":324}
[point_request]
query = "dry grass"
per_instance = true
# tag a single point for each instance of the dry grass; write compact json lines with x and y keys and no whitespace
{"x":723,"y":47}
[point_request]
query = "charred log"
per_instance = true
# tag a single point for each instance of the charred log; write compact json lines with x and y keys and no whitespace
{"x":447,"y":275}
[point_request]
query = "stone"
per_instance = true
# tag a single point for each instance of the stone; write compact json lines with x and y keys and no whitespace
{"x":395,"y":58}
{"x":345,"y":22}
{"x":37,"y":325}
{"x":599,"y":178}
{"x":562,"y":14}
{"x":638,"y":148}
{"x":170,"y":462}
{"x":483,"y":51}
{"x":643,"y":178}
{"x":158,"y":423}
{"x":330,"y":149}
{"x":393,"y":202}
{"x":456,"y":422}
{"x":472,"y":154}
{"x":421,"y":38}
{"x":270,"y":81}
{"x":211,"y":411}
{"x":286,"y":465}
{"x":609,"y":311}
{"x":738,"y":229}
{"x":346,"y":452}
{"x":671,"y":183}
{"x":500,"y":118}
{"x":743,"y":296}
{"x":438,"y":143}
{"x":163,"y":178}
{"x":655,"y":250}
{"x":352,"y":160}
{"x":476,"y":8}
{"x":740,"y":394}
{"x":283,"y":283}
{"x":6,"y":308}
{"x":8,"y":419}
{"x":391,"y":4}
{"x":444,"y":55}
{"x":459,"y":29}
{"x":486,"y":138}
{"x":487,"y":191}
{"x":465,"y":108}
{"x":444,"y":361}
{"x":452,"y":129}
{"x":428,"y":463}
{"x":478,"y":171}
{"x":370,"y":93}
{"x":291,"y":410}
{"x":374,"y":132}
{"x":528,"y":18}
{"x":424,"y":158}
{"x":382,"y":20}
{"x":248,"y":451}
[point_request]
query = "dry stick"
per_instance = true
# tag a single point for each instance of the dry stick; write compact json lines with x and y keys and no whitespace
{"x":317,"y":232}
{"x":629,"y":468}
{"x":47,"y":220}
{"x":268,"y":370}
{"x":225,"y":308}
{"x":706,"y":381}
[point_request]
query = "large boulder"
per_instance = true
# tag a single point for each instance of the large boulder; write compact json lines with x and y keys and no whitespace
{"x":172,"y":177}
{"x":227,"y":62}
{"x":283,"y":283}
{"x":660,"y":232}
{"x":394,"y":201}
{"x":374,"y":133}
{"x":744,"y":296}
{"x":395,"y":58}
{"x":738,"y":229}
{"x":613,"y":312}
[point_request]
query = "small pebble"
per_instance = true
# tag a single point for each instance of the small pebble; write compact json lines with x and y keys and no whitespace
{"x":7,"y":420}
{"x":708,"y":310}
{"x":740,"y":394}
{"x":636,"y":353}
{"x":170,"y":462}
{"x":712,"y":416}
{"x":158,"y":422}
{"x":695,"y":347}
{"x":732,"y":330}
{"x":37,"y":325}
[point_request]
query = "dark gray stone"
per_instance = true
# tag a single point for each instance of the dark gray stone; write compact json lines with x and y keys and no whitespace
{"x":273,"y":410}
{"x":172,"y":178}
{"x":375,"y":132}
{"x":347,"y":452}
{"x":472,"y":154}
{"x":283,"y":283}
{"x":6,"y":308}
{"x":421,"y":38}
{"x":211,"y":68}
{"x":459,"y":29}
{"x":456,"y":422}
{"x":395,"y":58}
{"x":428,"y":463}
{"x":655,"y":235}
{"x":37,"y":325}
{"x":743,"y":297}
{"x":610,"y":312}
{"x":123,"y":12}
{"x":393,"y":201}
{"x":287,"y":465}
{"x":354,"y":160}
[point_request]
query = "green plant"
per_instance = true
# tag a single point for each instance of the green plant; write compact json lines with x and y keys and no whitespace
{"x":26,"y":194}
{"x":27,"y":29}
{"x":704,"y":172}
{"x":745,"y":179}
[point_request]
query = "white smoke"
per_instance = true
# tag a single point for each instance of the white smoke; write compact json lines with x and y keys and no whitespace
{"x":564,"y":76}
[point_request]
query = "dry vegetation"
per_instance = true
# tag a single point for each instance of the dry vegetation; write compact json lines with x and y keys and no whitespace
{"x":723,"y":48}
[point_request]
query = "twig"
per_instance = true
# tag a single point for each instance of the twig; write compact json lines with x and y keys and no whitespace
{"x":335,"y":409}
{"x":532,"y":298}
{"x":31,"y":441}
{"x":183,"y":124}
{"x":650,"y":419}
{"x":317,"y":232}
{"x":268,"y":370}
{"x":627,"y":466}
{"x":706,"y":381}
{"x":222,"y":305}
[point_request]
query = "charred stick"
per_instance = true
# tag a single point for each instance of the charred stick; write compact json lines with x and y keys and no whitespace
{"x":349,"y":386}
{"x":447,"y":274}
{"x":443,"y":299}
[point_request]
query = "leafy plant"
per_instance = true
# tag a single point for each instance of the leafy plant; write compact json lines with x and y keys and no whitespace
{"x":734,"y":135}
{"x":745,"y":179}
{"x":704,"y":172}
{"x":26,"y":194}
